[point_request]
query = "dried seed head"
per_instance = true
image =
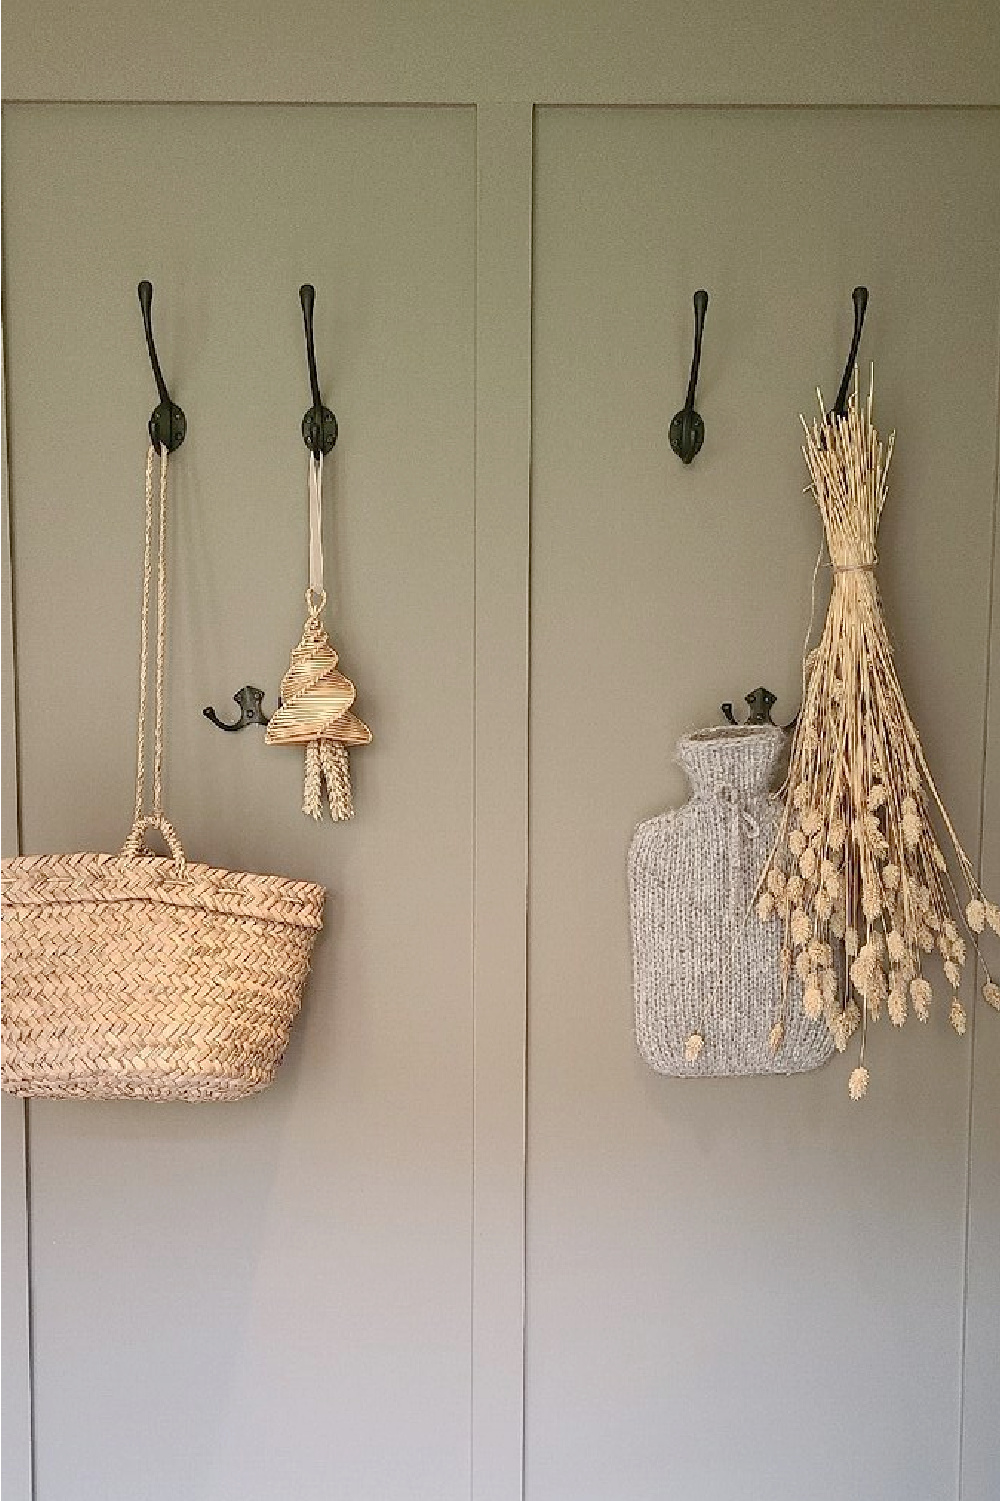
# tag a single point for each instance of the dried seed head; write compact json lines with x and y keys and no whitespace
{"x":896,"y":946}
{"x":952,"y":972}
{"x":877,"y":796}
{"x":871,"y":900}
{"x":873,"y":836}
{"x":838,"y":923}
{"x":913,"y":827}
{"x":950,"y":930}
{"x":920,"y":995}
{"x":957,"y":950}
{"x":938,"y":858}
{"x":957,"y":1017}
{"x":795,"y":888}
{"x":850,"y":942}
{"x":897,"y":1006}
{"x":828,"y":985}
{"x":765,"y":906}
{"x":776,"y":881}
{"x":852,"y":1018}
{"x":807,"y":864}
{"x":694,"y":1047}
{"x":836,"y":834}
{"x":857,"y":1084}
{"x":925,"y":938}
{"x":776,"y":1036}
{"x":801,"y":795}
{"x":801,"y":927}
{"x":861,"y":969}
{"x":812,"y":1002}
{"x":890,"y":877}
{"x":993,"y":916}
{"x":820,"y":953}
{"x":812,"y":822}
{"x":991,"y":994}
{"x":797,"y":843}
{"x":823,"y":906}
{"x":975,"y":915}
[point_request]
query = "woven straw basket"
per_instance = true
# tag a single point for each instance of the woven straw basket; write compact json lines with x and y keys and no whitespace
{"x":133,"y":976}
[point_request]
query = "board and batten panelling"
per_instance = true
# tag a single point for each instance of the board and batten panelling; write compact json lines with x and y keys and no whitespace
{"x":744,"y":1288}
{"x":270,"y":1298}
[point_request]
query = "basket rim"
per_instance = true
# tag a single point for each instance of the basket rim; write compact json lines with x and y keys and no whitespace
{"x":65,"y":879}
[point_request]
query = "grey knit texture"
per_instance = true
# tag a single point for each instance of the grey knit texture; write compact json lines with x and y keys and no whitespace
{"x":704,"y":966}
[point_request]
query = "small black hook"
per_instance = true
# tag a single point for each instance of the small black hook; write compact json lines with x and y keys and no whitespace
{"x":860,"y":297}
{"x":319,"y":425}
{"x":687,"y":430}
{"x":761,"y":702}
{"x":167,"y":423}
{"x":250,"y":701}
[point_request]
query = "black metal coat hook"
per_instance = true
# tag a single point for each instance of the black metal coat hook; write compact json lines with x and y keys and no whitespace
{"x":319,"y":425}
{"x":167,"y":423}
{"x":761,"y":702}
{"x":687,"y":430}
{"x":250,"y":701}
{"x":860,"y":296}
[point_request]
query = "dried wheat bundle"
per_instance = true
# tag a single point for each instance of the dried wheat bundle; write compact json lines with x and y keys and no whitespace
{"x":857,"y":874}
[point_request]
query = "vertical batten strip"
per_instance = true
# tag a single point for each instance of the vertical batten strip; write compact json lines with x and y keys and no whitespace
{"x":979,"y":1451}
{"x":503,"y":455}
{"x":16,"y":1479}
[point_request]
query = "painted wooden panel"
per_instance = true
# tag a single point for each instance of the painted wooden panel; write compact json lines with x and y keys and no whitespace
{"x":746,"y":1287}
{"x":271,"y":1298}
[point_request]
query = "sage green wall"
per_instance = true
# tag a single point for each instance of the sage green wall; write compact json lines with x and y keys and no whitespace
{"x":403,"y":1273}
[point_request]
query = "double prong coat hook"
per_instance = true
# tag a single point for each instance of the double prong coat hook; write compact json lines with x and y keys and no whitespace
{"x":860,"y":298}
{"x":250,"y":702}
{"x":319,"y":425}
{"x":167,"y":423}
{"x":687,"y":430}
{"x":761,"y":701}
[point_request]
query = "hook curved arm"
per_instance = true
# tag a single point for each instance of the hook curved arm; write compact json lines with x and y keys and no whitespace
{"x":167,"y":423}
{"x":687,"y":430}
{"x":319,"y":425}
{"x":860,"y":299}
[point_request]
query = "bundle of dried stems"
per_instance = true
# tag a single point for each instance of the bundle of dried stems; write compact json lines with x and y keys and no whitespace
{"x":857,"y":874}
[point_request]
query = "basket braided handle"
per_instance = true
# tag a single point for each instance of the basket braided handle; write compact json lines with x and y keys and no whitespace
{"x":134,"y":844}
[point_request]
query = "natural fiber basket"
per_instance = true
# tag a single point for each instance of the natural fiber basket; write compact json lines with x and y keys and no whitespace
{"x":132,"y":976}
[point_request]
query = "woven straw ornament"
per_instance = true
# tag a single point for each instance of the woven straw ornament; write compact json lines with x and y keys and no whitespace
{"x":314,"y":706}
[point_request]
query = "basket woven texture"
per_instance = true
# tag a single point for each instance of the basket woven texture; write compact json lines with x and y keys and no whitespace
{"x":133,"y":976}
